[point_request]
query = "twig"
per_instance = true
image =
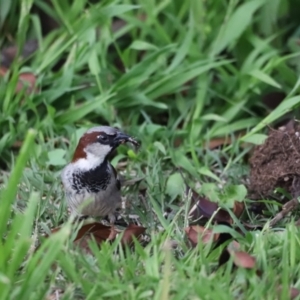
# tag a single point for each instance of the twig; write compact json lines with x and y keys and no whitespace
{"x":286,"y":208}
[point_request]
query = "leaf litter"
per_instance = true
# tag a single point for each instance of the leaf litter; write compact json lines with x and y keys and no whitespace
{"x":102,"y":233}
{"x":26,"y":80}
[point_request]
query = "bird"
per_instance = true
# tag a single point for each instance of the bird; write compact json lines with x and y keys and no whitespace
{"x":91,"y":184}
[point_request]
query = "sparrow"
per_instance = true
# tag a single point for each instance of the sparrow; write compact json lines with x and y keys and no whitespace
{"x":91,"y":184}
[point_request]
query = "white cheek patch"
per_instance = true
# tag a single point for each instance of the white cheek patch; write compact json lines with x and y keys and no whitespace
{"x":92,"y":161}
{"x":101,"y":152}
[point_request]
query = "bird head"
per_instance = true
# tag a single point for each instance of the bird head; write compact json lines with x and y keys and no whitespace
{"x":98,"y":143}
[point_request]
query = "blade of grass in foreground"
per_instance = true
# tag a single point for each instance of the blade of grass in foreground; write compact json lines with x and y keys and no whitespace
{"x":40,"y":263}
{"x":16,"y":246}
{"x":8,"y":195}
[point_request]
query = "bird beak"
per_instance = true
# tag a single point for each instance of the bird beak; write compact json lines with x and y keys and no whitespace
{"x":123,"y":138}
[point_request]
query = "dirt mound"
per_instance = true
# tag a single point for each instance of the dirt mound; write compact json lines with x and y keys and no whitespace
{"x":276,"y":163}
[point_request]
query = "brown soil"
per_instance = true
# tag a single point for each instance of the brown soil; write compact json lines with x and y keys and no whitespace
{"x":276,"y":163}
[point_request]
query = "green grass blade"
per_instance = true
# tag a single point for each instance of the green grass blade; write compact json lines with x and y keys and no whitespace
{"x":9,"y":193}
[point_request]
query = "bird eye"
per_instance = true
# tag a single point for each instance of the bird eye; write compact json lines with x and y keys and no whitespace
{"x":103,"y":138}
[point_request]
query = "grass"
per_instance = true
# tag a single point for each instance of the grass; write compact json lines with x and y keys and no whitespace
{"x":175,"y":72}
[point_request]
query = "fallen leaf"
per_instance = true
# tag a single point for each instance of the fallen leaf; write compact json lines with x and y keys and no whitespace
{"x":101,"y":233}
{"x":99,"y":230}
{"x":234,"y":246}
{"x":225,"y":140}
{"x":241,"y":258}
{"x":94,"y":231}
{"x":132,"y":231}
{"x":196,"y":233}
{"x":3,"y":71}
{"x":217,"y":142}
{"x":8,"y":54}
{"x":26,"y":80}
{"x":205,"y":209}
{"x":294,"y":293}
{"x":238,"y":208}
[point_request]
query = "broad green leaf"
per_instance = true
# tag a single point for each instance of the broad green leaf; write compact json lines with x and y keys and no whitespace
{"x":213,"y":117}
{"x":260,"y":75}
{"x":116,"y":10}
{"x":77,"y":113}
{"x":173,"y":82}
{"x":256,"y":138}
{"x":175,"y":185}
{"x":232,"y":193}
{"x":225,"y":129}
{"x":183,"y":49}
{"x":205,"y":171}
{"x":5,"y":6}
{"x":180,"y":160}
{"x":160,"y":147}
{"x":151,"y":129}
{"x":142,"y":70}
{"x":56,"y":157}
{"x":211,"y":192}
{"x":236,"y":24}
{"x":141,"y":45}
{"x":94,"y":62}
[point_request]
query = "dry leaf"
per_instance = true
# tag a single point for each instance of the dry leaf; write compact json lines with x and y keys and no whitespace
{"x":240,"y":258}
{"x":243,"y":259}
{"x":97,"y":229}
{"x":3,"y":71}
{"x":214,"y":143}
{"x":205,"y":208}
{"x":196,"y":233}
{"x":132,"y":231}
{"x":8,"y":54}
{"x":94,"y":231}
{"x":223,"y":141}
{"x":234,"y":246}
{"x":238,"y":208}
{"x":26,"y":80}
{"x":101,"y":233}
{"x":294,"y":293}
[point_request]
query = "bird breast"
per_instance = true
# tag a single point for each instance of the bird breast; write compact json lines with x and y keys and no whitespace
{"x":93,"y":192}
